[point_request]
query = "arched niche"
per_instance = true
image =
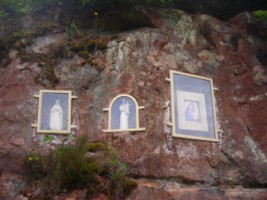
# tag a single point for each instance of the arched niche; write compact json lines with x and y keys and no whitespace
{"x":123,"y":114}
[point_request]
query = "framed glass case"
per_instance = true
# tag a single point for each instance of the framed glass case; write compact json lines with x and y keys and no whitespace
{"x":192,"y":107}
{"x":54,"y":112}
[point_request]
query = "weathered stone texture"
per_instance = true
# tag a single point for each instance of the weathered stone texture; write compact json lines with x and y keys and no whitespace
{"x":137,"y":63}
{"x":174,"y":191}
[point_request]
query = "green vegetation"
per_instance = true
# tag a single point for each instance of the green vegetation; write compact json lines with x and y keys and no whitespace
{"x":217,"y":7}
{"x":72,"y":30}
{"x":128,"y":2}
{"x":23,"y":20}
{"x":3,"y":14}
{"x":261,"y":15}
{"x":26,"y":7}
{"x":47,"y":138}
{"x":94,"y":167}
{"x":22,"y":7}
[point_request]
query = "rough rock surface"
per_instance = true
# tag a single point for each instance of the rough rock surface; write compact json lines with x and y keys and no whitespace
{"x":137,"y":63}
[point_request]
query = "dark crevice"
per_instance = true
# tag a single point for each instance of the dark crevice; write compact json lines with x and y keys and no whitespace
{"x":197,"y":183}
{"x":261,"y":53}
{"x":180,"y":180}
{"x":254,"y":185}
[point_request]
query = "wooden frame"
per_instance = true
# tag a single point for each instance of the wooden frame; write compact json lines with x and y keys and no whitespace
{"x":193,"y":113}
{"x":123,"y":114}
{"x":54,"y":112}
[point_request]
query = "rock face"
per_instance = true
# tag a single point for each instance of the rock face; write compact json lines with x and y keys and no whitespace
{"x":137,"y":63}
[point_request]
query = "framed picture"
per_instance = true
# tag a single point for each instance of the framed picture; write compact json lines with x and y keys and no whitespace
{"x":54,"y":112}
{"x":192,"y":107}
{"x":123,"y":114}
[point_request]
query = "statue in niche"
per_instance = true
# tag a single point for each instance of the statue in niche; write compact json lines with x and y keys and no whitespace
{"x":192,"y":112}
{"x":56,"y":116}
{"x":124,"y":114}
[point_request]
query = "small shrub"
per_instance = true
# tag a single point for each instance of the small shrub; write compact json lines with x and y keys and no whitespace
{"x":69,"y":167}
{"x":35,"y":166}
{"x":96,"y":146}
{"x":73,"y":29}
{"x":47,"y":138}
{"x":72,"y":170}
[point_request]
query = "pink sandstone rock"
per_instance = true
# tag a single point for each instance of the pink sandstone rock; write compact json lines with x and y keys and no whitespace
{"x":137,"y":63}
